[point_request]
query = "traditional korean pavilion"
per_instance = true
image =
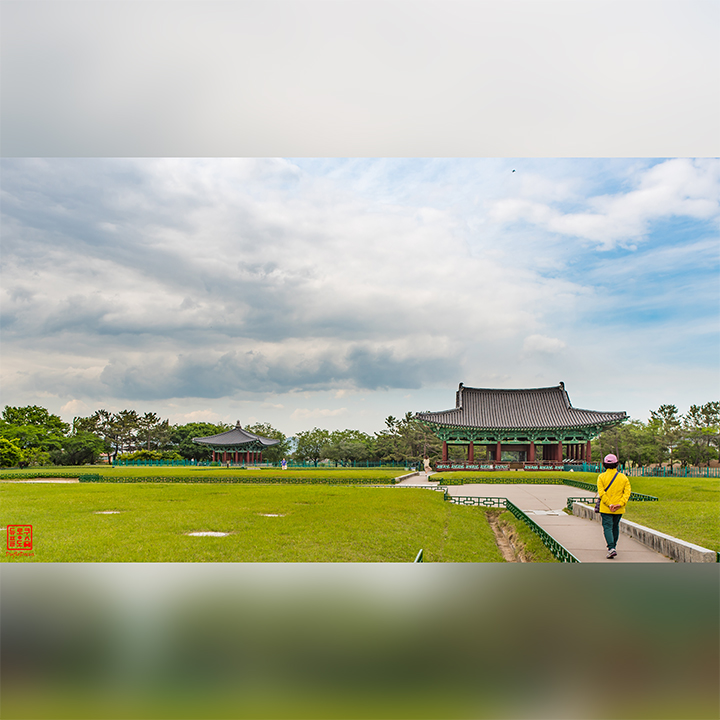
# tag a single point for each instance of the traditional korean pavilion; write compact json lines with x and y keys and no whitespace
{"x":540,"y":425}
{"x":237,"y":445}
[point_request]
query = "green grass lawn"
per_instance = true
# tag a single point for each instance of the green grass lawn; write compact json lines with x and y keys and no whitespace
{"x":687,"y":508}
{"x":276,"y":523}
{"x":190,"y":474}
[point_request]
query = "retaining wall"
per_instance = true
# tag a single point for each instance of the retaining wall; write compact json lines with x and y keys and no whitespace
{"x":671,"y":547}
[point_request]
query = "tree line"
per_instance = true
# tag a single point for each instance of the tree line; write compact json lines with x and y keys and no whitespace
{"x":31,"y":435}
{"x":670,"y":437}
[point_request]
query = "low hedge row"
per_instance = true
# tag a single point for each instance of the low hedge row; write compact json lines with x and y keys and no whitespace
{"x":269,"y":480}
{"x":499,"y":481}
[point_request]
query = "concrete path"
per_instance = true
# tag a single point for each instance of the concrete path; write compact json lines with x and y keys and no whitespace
{"x":545,"y":504}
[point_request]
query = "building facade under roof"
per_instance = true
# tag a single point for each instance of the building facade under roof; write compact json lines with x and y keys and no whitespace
{"x":236,"y":445}
{"x":539,"y":425}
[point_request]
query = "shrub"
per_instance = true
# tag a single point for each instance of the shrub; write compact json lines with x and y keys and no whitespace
{"x":10,"y":453}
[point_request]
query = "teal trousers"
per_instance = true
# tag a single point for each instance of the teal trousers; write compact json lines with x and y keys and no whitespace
{"x":611,"y":529}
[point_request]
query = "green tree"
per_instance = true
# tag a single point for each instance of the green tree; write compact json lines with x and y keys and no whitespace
{"x":407,"y":440}
{"x":632,"y":442}
{"x":147,"y":424}
{"x":35,"y":456}
{"x":700,"y":428}
{"x":28,"y":437}
{"x":346,"y":447}
{"x":10,"y":454}
{"x":79,"y":449}
{"x":311,"y":445}
{"x":118,"y":430}
{"x":181,"y":439}
{"x":274,"y":453}
{"x":418,"y":440}
{"x":34,"y":430}
{"x":387,"y":441}
{"x":126,"y":427}
{"x":665,"y":423}
{"x":36,"y":416}
{"x":639,"y":443}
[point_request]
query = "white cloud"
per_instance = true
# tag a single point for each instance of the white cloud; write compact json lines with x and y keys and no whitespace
{"x":76,"y":408}
{"x":542,"y":344}
{"x":234,"y":282}
{"x":205,"y":415}
{"x":678,"y":187}
{"x":307,"y":414}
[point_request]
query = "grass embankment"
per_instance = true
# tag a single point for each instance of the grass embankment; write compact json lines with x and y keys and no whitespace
{"x":687,"y":508}
{"x":265,"y":524}
{"x":526,"y":545}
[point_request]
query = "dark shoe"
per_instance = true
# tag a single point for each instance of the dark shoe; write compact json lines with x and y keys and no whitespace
{"x":611,"y":553}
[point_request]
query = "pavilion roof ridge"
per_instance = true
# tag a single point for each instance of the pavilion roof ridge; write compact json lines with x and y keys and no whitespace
{"x":534,"y":389}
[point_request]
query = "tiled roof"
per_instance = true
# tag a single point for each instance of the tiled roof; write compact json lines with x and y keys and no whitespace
{"x":518,"y":409}
{"x":236,"y":436}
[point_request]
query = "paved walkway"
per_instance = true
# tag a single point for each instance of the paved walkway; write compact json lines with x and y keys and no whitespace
{"x":544,"y":504}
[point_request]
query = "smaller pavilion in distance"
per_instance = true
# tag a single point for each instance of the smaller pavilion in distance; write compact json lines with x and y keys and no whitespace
{"x":539,"y":426}
{"x":236,"y":445}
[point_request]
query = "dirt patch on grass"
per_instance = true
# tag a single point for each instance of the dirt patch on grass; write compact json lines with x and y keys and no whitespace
{"x":509,"y":544}
{"x":45,"y":480}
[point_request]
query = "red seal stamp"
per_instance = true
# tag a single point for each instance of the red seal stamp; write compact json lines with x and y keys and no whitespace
{"x":19,"y":537}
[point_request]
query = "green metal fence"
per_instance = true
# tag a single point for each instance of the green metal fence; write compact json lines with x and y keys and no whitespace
{"x":689,"y":472}
{"x":593,"y":488}
{"x":559,"y":552}
{"x":581,"y":467}
{"x":583,"y":499}
{"x":493,"y":502}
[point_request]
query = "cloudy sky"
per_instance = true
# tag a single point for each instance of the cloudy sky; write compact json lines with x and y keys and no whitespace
{"x":315,"y":213}
{"x":336,"y":292}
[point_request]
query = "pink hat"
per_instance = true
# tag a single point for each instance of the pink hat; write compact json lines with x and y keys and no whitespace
{"x":609,"y":459}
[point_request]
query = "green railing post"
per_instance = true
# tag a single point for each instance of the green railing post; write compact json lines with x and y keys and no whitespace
{"x":419,"y":557}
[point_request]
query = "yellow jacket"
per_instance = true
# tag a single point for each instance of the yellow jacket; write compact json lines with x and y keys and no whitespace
{"x":618,"y":494}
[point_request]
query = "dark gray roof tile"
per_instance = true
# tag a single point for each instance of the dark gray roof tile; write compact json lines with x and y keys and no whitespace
{"x":548,"y":407}
{"x":236,"y":436}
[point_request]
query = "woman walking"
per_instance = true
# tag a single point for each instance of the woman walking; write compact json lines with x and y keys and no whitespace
{"x":614,"y":492}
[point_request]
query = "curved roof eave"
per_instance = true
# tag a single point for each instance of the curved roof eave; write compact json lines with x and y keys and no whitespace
{"x":235,"y":437}
{"x":530,"y":409}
